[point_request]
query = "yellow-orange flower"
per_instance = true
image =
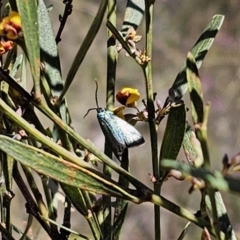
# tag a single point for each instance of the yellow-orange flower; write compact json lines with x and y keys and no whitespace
{"x":15,"y":20}
{"x":11,"y":26}
{"x":128,"y":96}
{"x":118,"y":111}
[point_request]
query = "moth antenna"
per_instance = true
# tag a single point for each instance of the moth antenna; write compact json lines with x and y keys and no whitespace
{"x":96,"y":98}
{"x":90,"y":109}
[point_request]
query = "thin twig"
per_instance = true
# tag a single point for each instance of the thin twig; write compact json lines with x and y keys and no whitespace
{"x":151,"y":113}
{"x":63,"y":19}
{"x":110,"y":94}
{"x":84,"y":48}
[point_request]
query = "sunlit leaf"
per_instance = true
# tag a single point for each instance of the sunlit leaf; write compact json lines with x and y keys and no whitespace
{"x":59,"y":169}
{"x":199,"y":51}
{"x":29,"y":18}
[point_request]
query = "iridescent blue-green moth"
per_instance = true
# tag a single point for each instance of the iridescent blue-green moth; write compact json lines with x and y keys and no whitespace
{"x":118,"y":133}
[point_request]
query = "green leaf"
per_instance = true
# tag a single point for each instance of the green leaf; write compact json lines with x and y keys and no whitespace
{"x":61,"y":170}
{"x":7,"y":8}
{"x":49,"y":51}
{"x":29,"y":18}
{"x":195,"y":89}
{"x":199,"y":51}
{"x":75,"y":195}
{"x":173,"y":135}
{"x":50,"y":58}
{"x":133,"y":15}
{"x":222,"y":216}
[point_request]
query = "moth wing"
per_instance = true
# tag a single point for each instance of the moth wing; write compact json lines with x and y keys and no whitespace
{"x":132,"y":137}
{"x":111,"y":130}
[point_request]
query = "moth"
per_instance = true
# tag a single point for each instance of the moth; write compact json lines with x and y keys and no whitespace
{"x":119,"y":134}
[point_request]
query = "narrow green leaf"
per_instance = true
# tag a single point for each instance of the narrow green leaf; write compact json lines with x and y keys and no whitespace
{"x":60,"y":169}
{"x":7,"y":171}
{"x":8,"y":7}
{"x":85,"y":46}
{"x":49,"y":51}
{"x":173,"y":135}
{"x":199,"y":51}
{"x":195,"y":89}
{"x":13,"y":5}
{"x":29,"y":18}
{"x":27,"y":228}
{"x":76,"y":198}
{"x":184,"y":232}
{"x":11,"y":58}
{"x":50,"y":58}
{"x":222,"y":216}
{"x":133,"y":15}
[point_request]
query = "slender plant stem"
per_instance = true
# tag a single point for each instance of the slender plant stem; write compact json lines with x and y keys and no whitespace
{"x":151,"y":113}
{"x":121,"y":204}
{"x":84,"y":47}
{"x":202,"y":134}
{"x":119,"y":37}
{"x":93,"y":221}
{"x":161,"y":201}
{"x":110,"y":93}
{"x":63,"y":19}
{"x":28,"y":226}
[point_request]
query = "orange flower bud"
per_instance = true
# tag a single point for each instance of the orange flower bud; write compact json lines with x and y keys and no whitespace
{"x":2,"y":49}
{"x":8,"y":45}
{"x":128,"y":96}
{"x":5,"y":46}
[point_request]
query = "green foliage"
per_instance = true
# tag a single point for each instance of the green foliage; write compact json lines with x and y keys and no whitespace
{"x":61,"y":157}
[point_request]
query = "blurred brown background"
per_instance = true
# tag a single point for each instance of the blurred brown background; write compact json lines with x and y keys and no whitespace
{"x":177,"y":25}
